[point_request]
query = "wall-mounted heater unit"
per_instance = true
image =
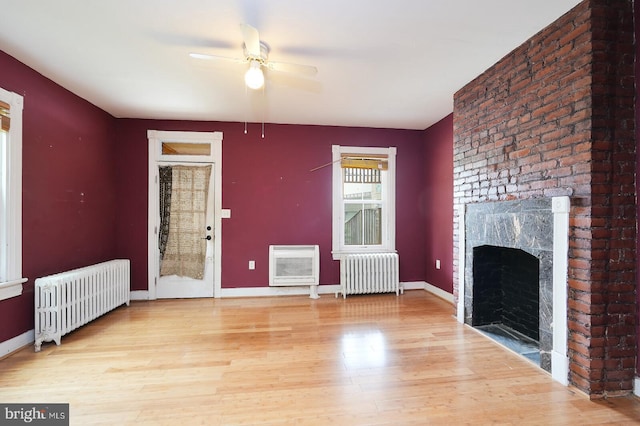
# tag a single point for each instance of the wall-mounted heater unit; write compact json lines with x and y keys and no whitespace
{"x":295,"y":265}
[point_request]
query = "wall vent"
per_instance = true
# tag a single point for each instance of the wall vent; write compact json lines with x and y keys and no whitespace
{"x":294,"y":265}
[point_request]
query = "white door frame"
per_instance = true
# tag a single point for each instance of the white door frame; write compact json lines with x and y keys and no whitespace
{"x":156,"y":137}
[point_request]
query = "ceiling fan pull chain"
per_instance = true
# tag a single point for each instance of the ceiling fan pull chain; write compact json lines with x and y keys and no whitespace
{"x":246,"y":101}
{"x":264,"y":106}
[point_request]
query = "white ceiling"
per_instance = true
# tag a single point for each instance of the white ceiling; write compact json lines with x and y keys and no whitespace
{"x":382,"y":63}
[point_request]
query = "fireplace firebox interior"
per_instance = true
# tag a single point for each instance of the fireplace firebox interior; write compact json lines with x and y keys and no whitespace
{"x":506,"y":289}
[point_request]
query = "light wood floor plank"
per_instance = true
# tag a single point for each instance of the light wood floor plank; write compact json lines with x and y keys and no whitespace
{"x":366,"y":360}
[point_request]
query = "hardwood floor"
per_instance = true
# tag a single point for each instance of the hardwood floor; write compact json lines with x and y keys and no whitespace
{"x":366,"y":360}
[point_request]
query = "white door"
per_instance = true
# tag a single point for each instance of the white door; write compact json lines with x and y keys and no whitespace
{"x":185,"y":149}
{"x":176,"y":285}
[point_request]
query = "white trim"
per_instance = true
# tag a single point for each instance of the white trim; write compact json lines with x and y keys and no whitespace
{"x":300,"y":290}
{"x":559,"y":360}
{"x":185,"y":137}
{"x":303,"y":290}
{"x":437,"y":291}
{"x":412,"y":285}
{"x":461,"y":263}
{"x":215,"y":138}
{"x":11,"y":288}
{"x":636,"y":386}
{"x":389,"y":202}
{"x":13,"y":221}
{"x":139,"y":295}
{"x":9,"y":346}
{"x":280,"y":291}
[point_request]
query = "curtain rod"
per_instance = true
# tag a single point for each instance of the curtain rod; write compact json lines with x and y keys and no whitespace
{"x":348,"y":157}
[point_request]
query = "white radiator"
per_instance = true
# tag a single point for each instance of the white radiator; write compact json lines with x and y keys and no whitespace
{"x":68,"y":300}
{"x":369,"y":273}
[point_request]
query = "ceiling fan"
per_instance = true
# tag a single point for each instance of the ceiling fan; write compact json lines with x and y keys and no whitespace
{"x":256,"y":54}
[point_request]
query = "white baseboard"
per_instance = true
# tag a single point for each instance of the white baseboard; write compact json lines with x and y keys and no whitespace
{"x":300,"y":290}
{"x":277,"y":291}
{"x":560,"y":368}
{"x":439,"y":292}
{"x":254,"y":291}
{"x":412,"y":285}
{"x":636,"y":386}
{"x":18,"y":342}
{"x":139,"y":295}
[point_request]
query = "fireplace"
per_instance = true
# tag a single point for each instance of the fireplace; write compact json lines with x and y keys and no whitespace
{"x":506,"y":290}
{"x":532,"y":127}
{"x":514,"y":261}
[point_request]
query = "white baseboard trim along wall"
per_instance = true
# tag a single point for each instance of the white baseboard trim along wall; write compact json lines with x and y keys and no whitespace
{"x":302,"y":290}
{"x":439,"y":292}
{"x":139,"y":295}
{"x":277,"y":291}
{"x":18,"y":342}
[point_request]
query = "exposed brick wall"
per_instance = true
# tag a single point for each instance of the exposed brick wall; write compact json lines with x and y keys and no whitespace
{"x":556,"y":117}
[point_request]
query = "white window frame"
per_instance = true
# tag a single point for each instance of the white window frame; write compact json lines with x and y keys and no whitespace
{"x":388,"y":243}
{"x":11,"y":279}
{"x":202,"y":138}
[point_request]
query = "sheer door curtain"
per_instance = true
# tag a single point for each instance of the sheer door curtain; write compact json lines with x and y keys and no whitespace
{"x":183,"y":208}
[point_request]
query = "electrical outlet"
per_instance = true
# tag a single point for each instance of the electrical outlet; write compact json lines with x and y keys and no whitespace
{"x":437,"y":263}
{"x":252,"y":264}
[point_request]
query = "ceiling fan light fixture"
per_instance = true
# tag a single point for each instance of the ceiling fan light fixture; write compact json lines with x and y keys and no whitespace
{"x":254,"y":78}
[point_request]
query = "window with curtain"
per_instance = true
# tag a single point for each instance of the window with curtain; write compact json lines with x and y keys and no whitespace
{"x":10,"y":195}
{"x":363,"y":200}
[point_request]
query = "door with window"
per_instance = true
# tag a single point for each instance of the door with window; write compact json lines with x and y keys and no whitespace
{"x":185,"y":237}
{"x":183,"y":224}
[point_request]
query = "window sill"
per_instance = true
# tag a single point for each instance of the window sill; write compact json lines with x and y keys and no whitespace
{"x":11,"y":289}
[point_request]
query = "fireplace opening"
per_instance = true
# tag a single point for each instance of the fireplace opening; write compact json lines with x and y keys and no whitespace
{"x":506,"y":297}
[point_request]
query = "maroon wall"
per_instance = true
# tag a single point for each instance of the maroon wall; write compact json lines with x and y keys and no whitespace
{"x":69,"y":199}
{"x":636,"y":9}
{"x":273,"y":195}
{"x":438,"y":202}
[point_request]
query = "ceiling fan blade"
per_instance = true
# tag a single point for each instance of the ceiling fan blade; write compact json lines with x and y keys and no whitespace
{"x":306,"y":70}
{"x":216,"y":57}
{"x":251,"y":40}
{"x":294,"y":81}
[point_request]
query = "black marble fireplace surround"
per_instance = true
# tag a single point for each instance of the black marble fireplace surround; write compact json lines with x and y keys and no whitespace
{"x":492,"y":229}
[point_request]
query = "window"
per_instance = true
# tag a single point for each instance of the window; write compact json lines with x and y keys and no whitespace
{"x":10,"y":195}
{"x":363,"y":200}
{"x":189,"y":147}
